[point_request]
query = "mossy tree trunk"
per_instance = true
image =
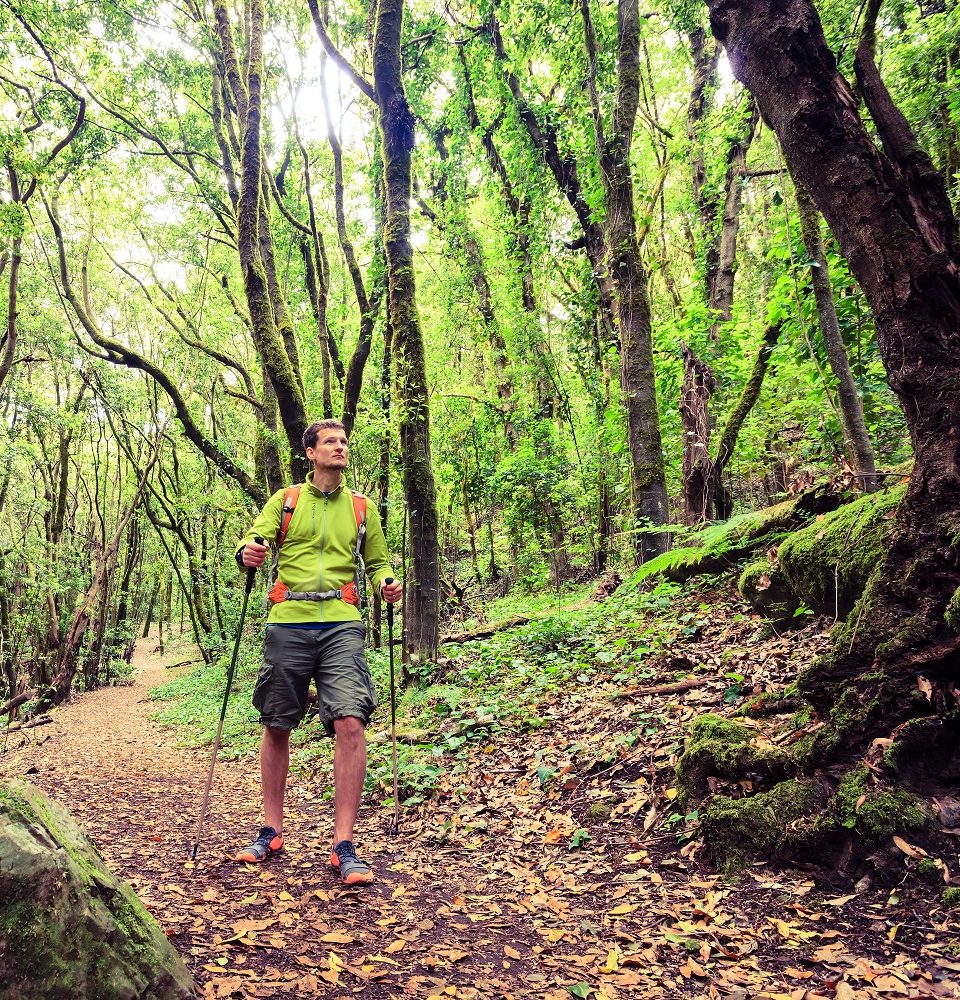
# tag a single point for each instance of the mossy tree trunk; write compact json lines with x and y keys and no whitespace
{"x":629,"y":278}
{"x":397,"y":135}
{"x":270,"y":324}
{"x":855,"y":435}
{"x":889,"y":210}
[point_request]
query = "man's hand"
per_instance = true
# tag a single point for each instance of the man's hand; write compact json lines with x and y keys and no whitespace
{"x":253,"y":554}
{"x":392,"y":591}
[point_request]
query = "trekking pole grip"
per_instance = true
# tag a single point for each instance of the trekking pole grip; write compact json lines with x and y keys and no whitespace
{"x":389,"y":579}
{"x":252,"y":570}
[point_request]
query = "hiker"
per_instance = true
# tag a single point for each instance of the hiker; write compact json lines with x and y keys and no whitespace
{"x":324,"y":536}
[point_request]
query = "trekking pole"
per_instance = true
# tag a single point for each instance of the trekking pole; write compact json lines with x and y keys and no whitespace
{"x":395,"y":829}
{"x":251,"y":577}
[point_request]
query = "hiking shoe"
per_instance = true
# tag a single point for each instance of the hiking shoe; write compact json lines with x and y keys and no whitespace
{"x":268,"y":842}
{"x":352,"y":870}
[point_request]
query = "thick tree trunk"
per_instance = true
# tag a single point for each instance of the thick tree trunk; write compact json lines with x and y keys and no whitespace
{"x":891,"y":216}
{"x":397,"y":134}
{"x":855,"y":435}
{"x":637,"y":378}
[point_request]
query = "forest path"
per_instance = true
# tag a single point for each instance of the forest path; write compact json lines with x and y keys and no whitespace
{"x":496,"y":907}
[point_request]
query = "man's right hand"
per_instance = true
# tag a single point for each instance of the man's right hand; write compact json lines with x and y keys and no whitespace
{"x":254,"y":554}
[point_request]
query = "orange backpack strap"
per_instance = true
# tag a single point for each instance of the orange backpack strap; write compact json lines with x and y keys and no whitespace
{"x":359,"y":570}
{"x":290,"y":498}
{"x":359,"y":508}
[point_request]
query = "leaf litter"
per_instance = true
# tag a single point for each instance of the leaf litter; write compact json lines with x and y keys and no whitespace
{"x":556,"y":864}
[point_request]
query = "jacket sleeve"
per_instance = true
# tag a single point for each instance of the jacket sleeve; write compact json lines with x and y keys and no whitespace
{"x":267,"y":524}
{"x":375,"y":556}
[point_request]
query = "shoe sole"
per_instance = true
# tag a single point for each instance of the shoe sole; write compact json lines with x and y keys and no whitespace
{"x":252,"y":858}
{"x":355,"y":878}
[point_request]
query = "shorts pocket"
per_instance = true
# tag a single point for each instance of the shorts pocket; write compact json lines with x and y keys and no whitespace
{"x":262,"y":686}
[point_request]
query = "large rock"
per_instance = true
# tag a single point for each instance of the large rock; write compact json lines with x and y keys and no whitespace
{"x":70,"y":930}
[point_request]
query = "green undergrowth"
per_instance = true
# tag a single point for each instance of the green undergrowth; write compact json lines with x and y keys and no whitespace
{"x":508,"y":682}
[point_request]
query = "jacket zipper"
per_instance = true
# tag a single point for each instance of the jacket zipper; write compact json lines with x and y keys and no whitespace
{"x":323,"y":546}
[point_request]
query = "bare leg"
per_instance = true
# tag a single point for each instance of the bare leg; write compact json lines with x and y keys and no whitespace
{"x":349,"y":771}
{"x":274,"y":765}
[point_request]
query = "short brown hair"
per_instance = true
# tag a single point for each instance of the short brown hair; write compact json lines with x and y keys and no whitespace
{"x":311,"y":434}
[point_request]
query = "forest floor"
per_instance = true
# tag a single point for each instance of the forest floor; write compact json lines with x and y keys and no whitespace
{"x":553,"y":864}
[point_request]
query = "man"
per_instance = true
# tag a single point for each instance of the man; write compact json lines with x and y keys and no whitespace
{"x":314,"y":630}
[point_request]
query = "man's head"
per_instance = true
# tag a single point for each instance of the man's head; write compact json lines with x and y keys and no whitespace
{"x":326,"y":445}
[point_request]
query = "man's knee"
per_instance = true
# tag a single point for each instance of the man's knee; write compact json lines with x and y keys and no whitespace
{"x":276,"y":737}
{"x":349,"y":728}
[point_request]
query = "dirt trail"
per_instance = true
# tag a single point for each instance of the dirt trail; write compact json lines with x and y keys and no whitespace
{"x":496,"y":906}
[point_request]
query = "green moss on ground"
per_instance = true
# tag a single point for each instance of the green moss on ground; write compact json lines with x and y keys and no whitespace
{"x":876,"y":813}
{"x":717,"y":747}
{"x":763,"y":825}
{"x":930,"y":869}
{"x":952,"y":614}
{"x":951,"y":897}
{"x":827,"y":564}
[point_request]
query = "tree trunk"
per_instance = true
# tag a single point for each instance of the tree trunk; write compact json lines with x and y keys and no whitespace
{"x":252,"y":226}
{"x":855,"y":436}
{"x":698,"y":385}
{"x":637,"y":381}
{"x":397,"y":134}
{"x":893,"y":221}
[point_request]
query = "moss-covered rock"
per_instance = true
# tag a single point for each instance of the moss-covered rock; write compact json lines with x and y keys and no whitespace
{"x":719,"y":748}
{"x":765,"y":589}
{"x":770,"y":825}
{"x":827,"y":564}
{"x":952,"y":614}
{"x":951,"y":897}
{"x":877,"y":812}
{"x":69,"y":930}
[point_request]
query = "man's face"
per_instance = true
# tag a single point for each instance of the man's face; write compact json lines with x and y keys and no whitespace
{"x":331,"y":451}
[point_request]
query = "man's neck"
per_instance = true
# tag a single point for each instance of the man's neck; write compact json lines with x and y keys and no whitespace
{"x":326,"y":480}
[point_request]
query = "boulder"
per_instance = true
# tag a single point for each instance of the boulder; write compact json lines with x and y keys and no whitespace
{"x":69,"y":929}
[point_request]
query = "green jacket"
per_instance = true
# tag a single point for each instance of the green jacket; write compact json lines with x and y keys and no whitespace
{"x":317,"y":553}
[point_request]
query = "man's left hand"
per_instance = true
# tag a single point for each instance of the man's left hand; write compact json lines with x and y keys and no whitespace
{"x":392,"y":592}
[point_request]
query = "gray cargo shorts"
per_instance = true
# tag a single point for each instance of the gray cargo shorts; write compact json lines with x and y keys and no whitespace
{"x":332,"y":657}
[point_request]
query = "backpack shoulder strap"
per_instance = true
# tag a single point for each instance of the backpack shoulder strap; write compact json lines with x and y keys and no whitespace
{"x":360,"y":513}
{"x":290,"y":498}
{"x":359,"y":507}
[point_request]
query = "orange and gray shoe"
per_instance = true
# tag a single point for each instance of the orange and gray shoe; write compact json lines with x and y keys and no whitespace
{"x":268,"y":842}
{"x":353,"y":871}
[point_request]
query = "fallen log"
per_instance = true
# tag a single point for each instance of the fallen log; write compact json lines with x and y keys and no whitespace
{"x":675,"y":687}
{"x":16,"y":702}
{"x":41,"y":720}
{"x":485,"y":631}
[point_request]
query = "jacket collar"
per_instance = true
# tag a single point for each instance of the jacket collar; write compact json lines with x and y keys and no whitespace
{"x":308,"y":482}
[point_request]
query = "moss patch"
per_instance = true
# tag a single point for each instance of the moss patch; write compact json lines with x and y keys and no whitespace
{"x":876,"y":813}
{"x":827,"y":564}
{"x":723,"y":749}
{"x":951,"y":897}
{"x":764,"y":825}
{"x":952,"y":614}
